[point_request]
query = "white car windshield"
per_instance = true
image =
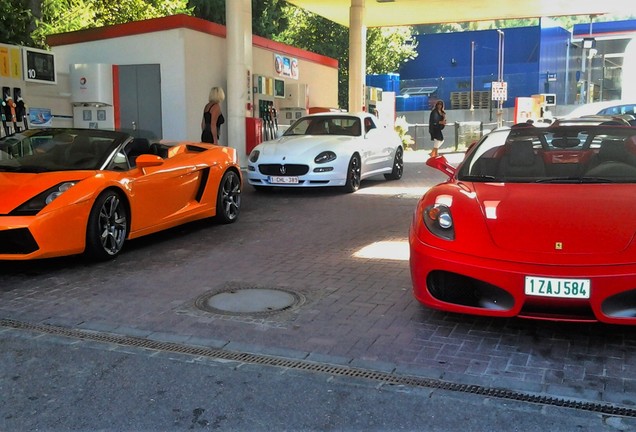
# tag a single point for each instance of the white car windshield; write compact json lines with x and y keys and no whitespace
{"x":326,"y":125}
{"x":572,"y":154}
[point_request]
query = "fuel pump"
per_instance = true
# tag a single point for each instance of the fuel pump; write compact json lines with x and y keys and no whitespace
{"x":5,"y":128}
{"x":20,"y":109}
{"x":8,"y":109}
{"x":274,"y":116}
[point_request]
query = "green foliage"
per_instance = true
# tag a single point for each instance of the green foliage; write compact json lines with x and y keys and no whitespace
{"x":402,"y":127}
{"x":60,"y":16}
{"x":388,"y":48}
{"x":15,"y":22}
{"x":267,"y":15}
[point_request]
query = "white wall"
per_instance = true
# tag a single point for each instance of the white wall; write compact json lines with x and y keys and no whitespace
{"x":163,"y":48}
{"x":191,"y":62}
{"x":205,"y":68}
{"x":322,"y":80}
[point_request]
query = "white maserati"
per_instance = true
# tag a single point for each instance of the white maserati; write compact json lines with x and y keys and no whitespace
{"x":327,"y":149}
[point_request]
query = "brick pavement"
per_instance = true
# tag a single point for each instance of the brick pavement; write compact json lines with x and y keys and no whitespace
{"x":357,"y":310}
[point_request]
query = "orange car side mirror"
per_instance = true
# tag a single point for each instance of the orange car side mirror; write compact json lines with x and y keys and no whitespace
{"x":148,"y":160}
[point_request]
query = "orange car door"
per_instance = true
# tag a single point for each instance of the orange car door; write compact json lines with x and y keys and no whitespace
{"x":163,"y":193}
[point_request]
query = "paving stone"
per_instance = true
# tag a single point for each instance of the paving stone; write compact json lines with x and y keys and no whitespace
{"x":357,"y":310}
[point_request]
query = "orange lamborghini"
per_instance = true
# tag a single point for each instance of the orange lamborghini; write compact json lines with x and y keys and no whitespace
{"x":72,"y":191}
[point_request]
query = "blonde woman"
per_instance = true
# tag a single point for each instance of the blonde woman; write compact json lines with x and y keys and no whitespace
{"x":213,"y":117}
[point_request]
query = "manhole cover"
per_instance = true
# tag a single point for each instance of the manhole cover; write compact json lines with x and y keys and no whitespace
{"x":249,"y":301}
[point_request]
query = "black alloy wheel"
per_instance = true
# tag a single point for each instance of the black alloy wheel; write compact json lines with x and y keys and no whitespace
{"x":398,"y":165}
{"x":228,"y":201}
{"x":354,"y":173}
{"x":107,"y":226}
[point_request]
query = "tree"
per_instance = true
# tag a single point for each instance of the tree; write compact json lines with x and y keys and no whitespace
{"x":387,"y":47}
{"x":58,"y":16}
{"x":15,"y":22}
{"x":267,"y":15}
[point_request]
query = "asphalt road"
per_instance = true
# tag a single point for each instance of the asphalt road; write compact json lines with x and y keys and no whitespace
{"x":61,"y":384}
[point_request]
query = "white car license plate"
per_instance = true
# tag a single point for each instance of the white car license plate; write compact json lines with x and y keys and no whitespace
{"x":283,"y":179}
{"x":561,"y":288}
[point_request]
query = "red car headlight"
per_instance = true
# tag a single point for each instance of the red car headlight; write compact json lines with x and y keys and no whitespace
{"x":439,"y":221}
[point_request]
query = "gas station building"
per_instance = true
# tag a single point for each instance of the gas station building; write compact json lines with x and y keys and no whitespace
{"x":155,"y":75}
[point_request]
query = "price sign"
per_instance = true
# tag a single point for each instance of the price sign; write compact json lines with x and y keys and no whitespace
{"x":39,"y":66}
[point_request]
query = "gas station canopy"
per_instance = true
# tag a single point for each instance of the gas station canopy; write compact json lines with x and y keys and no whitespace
{"x":382,"y":13}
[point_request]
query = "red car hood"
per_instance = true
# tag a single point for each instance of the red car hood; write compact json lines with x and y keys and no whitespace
{"x":569,"y":218}
{"x":17,"y":188}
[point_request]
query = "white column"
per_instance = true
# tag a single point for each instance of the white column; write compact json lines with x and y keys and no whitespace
{"x":238,"y":17}
{"x":357,"y":55}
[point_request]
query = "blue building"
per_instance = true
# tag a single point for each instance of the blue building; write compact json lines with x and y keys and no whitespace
{"x":535,"y":60}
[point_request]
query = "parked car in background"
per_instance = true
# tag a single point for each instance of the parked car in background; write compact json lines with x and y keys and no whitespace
{"x":612,"y":108}
{"x":534,"y":222}
{"x":327,"y":149}
{"x":68,"y":191}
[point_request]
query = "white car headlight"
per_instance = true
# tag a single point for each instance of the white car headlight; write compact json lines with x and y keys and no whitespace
{"x":254,"y":156}
{"x":324,"y":157}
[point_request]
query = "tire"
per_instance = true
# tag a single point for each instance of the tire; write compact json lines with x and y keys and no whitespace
{"x":354,"y":174}
{"x":228,"y":201}
{"x":107,"y":228}
{"x":398,"y":165}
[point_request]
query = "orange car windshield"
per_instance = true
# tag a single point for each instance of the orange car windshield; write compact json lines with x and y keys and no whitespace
{"x":56,"y":150}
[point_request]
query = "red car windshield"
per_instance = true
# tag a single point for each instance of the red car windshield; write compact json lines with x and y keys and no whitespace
{"x":560,"y":154}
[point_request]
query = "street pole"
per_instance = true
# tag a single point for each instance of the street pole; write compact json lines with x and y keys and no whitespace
{"x":472,"y":76}
{"x":500,"y":74}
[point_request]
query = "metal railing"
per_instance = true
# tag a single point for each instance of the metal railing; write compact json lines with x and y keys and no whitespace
{"x":460,"y":135}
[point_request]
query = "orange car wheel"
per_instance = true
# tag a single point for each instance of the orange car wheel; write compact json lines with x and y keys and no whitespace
{"x":228,"y":201}
{"x":107,"y":226}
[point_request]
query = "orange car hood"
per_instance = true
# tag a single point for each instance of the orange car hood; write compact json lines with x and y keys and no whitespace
{"x":17,"y":188}
{"x":571,"y":219}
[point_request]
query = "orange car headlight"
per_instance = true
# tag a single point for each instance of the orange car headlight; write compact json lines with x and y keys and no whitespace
{"x":38,"y":202}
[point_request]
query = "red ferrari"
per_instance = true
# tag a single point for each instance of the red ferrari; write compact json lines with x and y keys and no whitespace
{"x":534,"y":222}
{"x":68,"y":191}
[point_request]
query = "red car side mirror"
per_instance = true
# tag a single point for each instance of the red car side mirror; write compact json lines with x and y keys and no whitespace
{"x":440,"y":163}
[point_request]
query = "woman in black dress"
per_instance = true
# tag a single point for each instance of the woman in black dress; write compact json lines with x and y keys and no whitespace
{"x":436,"y":123}
{"x":212,"y":115}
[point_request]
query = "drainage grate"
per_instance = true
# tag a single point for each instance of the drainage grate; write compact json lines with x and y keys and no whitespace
{"x":384,"y":377}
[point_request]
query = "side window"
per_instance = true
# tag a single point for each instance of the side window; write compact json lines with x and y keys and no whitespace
{"x":628,"y":109}
{"x":119,"y":162}
{"x":368,"y":124}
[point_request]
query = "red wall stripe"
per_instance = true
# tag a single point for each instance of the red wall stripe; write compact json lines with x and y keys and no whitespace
{"x":116,"y":112}
{"x":176,"y":22}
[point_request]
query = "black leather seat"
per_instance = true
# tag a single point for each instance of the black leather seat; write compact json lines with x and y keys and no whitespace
{"x":613,"y":159}
{"x":136,"y":148}
{"x":520,"y":160}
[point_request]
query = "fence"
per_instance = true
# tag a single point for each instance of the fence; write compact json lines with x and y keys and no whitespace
{"x":457,"y":135}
